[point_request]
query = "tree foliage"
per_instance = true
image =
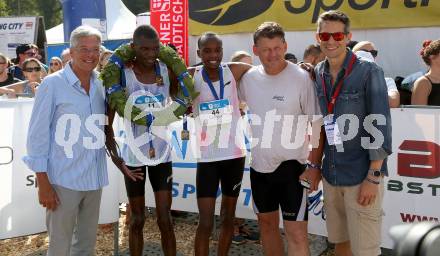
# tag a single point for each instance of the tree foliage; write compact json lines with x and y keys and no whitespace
{"x":51,"y":10}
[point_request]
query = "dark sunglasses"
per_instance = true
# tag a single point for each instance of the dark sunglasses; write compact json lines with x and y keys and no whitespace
{"x":36,"y":69}
{"x":54,"y":64}
{"x":337,"y":36}
{"x":373,"y":52}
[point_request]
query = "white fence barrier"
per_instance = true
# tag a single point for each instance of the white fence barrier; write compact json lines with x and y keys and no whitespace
{"x":412,"y":189}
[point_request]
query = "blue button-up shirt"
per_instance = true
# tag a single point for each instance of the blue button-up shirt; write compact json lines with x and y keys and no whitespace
{"x":363,"y":93}
{"x":66,"y":132}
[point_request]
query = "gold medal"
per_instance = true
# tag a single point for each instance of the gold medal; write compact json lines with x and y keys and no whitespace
{"x":159,"y":80}
{"x":184,"y":135}
{"x":152,"y":153}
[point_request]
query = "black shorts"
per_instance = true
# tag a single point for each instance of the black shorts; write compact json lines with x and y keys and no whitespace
{"x":161,"y":178}
{"x":281,"y":188}
{"x":228,"y":173}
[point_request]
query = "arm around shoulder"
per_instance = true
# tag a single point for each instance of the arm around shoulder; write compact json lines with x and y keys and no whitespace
{"x":238,"y":69}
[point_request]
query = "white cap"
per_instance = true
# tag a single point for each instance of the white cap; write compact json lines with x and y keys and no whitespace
{"x":365,"y":55}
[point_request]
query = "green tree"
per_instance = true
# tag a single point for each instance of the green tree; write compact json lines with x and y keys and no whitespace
{"x":4,"y":10}
{"x":51,"y":10}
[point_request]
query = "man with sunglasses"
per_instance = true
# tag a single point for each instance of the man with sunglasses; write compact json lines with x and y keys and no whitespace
{"x":351,"y":90}
{"x":368,"y":51}
{"x":23,"y":51}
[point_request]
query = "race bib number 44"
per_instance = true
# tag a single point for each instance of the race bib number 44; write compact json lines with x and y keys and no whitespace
{"x":215,"y":112}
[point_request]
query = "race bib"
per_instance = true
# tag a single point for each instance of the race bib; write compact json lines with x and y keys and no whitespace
{"x":149,"y":102}
{"x":332,"y":130}
{"x":215,"y":112}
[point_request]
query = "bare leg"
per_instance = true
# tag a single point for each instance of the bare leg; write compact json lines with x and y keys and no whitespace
{"x":270,"y":233}
{"x":297,"y":240}
{"x":137,"y":221}
{"x":204,"y":229}
{"x":227,"y":214}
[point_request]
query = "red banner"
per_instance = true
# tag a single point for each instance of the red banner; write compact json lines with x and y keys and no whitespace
{"x":170,"y":19}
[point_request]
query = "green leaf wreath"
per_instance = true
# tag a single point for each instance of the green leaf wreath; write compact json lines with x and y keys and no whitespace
{"x":117,"y":98}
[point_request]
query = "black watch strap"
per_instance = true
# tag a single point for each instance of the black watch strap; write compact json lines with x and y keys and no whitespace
{"x":374,"y":173}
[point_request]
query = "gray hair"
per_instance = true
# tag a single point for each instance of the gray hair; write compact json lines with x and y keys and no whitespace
{"x":65,"y":51}
{"x":83,"y":31}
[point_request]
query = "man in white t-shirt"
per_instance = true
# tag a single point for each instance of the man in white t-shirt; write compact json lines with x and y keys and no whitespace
{"x":282,"y":100}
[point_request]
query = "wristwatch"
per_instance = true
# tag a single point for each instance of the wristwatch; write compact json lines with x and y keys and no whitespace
{"x":374,"y":173}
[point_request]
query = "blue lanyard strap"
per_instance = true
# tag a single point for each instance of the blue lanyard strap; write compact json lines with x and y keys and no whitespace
{"x":187,"y":100}
{"x":211,"y":86}
{"x":182,"y":85}
{"x":114,"y":88}
{"x":185,"y":123}
{"x":157,"y":68}
{"x":149,"y":120}
{"x":117,"y":61}
{"x":181,"y":102}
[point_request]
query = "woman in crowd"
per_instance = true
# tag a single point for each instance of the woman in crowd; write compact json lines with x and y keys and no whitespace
{"x":55,"y":64}
{"x":32,"y":71}
{"x":426,"y":89}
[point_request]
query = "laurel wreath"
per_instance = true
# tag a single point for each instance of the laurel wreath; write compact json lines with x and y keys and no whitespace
{"x":113,"y":79}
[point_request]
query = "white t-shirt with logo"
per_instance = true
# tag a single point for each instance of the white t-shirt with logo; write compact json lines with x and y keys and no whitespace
{"x":285,"y":96}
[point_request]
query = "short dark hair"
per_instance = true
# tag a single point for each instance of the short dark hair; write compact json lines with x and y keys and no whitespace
{"x":351,"y":44}
{"x":205,"y":37}
{"x":312,"y":49}
{"x":290,"y":56}
{"x":22,"y":48}
{"x":146,"y":31}
{"x":269,"y":29}
{"x":335,"y":16}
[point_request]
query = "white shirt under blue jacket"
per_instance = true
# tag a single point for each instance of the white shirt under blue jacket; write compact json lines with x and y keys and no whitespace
{"x":66,"y":132}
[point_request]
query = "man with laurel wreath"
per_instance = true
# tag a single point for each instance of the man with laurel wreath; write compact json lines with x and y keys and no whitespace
{"x":150,"y":85}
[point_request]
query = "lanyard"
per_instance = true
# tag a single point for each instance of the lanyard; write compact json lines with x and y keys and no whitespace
{"x":182,"y":147}
{"x":156,"y":68}
{"x":211,"y":86}
{"x":185,"y":123}
{"x":149,"y":121}
{"x":159,"y":78}
{"x":331,"y":104}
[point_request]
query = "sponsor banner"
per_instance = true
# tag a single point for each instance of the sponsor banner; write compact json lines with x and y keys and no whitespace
{"x":15,"y":31}
{"x":170,"y":18}
{"x":20,"y":212}
{"x":235,"y":16}
{"x":411,"y":190}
